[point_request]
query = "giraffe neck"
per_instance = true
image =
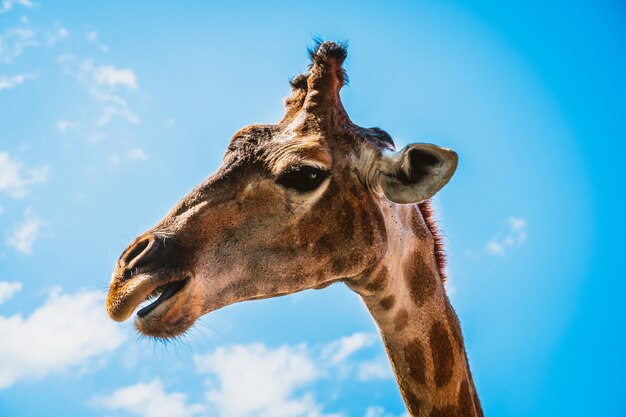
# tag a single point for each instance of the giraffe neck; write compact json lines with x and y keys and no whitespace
{"x":419,"y":328}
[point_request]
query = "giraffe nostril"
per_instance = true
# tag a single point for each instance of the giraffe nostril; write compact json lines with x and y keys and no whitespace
{"x":139,"y":254}
{"x":135,"y":251}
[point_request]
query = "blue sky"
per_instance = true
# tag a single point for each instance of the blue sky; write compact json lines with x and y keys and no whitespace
{"x":111,"y":111}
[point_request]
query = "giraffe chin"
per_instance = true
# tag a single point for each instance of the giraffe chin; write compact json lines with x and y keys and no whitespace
{"x":173,"y":313}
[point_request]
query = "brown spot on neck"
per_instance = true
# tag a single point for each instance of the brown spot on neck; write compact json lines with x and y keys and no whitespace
{"x":415,"y":360}
{"x":420,"y":278}
{"x":445,"y":411}
{"x":413,"y":403}
{"x":465,"y":401}
{"x":401,"y":320}
{"x":442,"y":353}
{"x":464,"y":407}
{"x":388,"y":302}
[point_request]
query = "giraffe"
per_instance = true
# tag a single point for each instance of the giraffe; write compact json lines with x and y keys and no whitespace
{"x":305,"y":203}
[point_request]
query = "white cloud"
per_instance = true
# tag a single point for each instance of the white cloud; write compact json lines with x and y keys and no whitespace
{"x":56,"y":35}
{"x":137,"y":154}
{"x":134,"y":154}
{"x":121,"y":111}
{"x":115,"y":159}
{"x":107,"y":85}
{"x":110,"y":76}
{"x":339,"y":350}
{"x":513,"y":238}
{"x":7,"y":5}
{"x":149,"y":400}
{"x":8,"y":289}
{"x":15,"y":179}
{"x":374,"y":411}
{"x":24,"y":234}
{"x":377,"y":411}
{"x":65,"y":125}
{"x":93,"y":37}
{"x":374,"y":369}
{"x":67,"y":331}
{"x":14,"y":41}
{"x":8,"y":82}
{"x":254,"y":380}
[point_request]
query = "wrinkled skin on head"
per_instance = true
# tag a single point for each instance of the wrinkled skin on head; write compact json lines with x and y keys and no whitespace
{"x":294,"y":206}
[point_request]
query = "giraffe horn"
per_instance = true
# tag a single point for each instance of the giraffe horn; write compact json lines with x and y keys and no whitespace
{"x":326,"y":77}
{"x":294,"y":102}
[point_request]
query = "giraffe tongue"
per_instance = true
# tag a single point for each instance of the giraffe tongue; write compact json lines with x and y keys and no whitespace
{"x":168,"y":292}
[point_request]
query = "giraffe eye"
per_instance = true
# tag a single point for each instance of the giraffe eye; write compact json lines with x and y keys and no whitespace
{"x":302,"y":178}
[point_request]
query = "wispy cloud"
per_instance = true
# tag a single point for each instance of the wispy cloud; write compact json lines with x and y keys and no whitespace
{"x":8,"y":82}
{"x":111,"y":76}
{"x":374,"y":369}
{"x":137,"y":154}
{"x":14,"y":41}
{"x":25,"y":233}
{"x":56,"y":35}
{"x":134,"y":154}
{"x":107,"y":85}
{"x":149,"y":400}
{"x":16,"y":179}
{"x":94,"y":38}
{"x":377,"y":411}
{"x":66,"y":125}
{"x":73,"y":328}
{"x":7,"y":5}
{"x":122,"y":112}
{"x":339,"y":350}
{"x":514,"y":237}
{"x":8,"y":289}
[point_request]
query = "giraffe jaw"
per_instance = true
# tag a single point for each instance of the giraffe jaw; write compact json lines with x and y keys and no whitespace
{"x":165,"y":302}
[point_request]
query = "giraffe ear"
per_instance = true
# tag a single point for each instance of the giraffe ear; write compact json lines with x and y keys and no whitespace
{"x":416,"y":173}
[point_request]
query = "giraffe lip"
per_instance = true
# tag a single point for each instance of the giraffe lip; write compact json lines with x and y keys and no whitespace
{"x":162,"y":294}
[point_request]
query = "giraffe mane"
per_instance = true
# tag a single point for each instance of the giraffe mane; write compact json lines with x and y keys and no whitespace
{"x":440,"y":255}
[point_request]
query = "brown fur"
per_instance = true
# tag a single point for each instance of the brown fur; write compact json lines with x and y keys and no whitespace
{"x":414,"y":355}
{"x":388,"y":302}
{"x":401,"y":320}
{"x":442,"y":354}
{"x":453,"y":322}
{"x":379,"y":281}
{"x":414,"y":404}
{"x":420,"y":279}
{"x":311,"y":201}
{"x":463,"y":408}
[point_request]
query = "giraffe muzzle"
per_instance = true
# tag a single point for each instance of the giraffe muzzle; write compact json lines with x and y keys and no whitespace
{"x":148,"y":277}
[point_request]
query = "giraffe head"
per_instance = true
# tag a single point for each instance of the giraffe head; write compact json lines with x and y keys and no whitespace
{"x":293,"y":206}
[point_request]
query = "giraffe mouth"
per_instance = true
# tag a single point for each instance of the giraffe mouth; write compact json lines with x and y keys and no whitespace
{"x":160,"y":295}
{"x":147,"y":294}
